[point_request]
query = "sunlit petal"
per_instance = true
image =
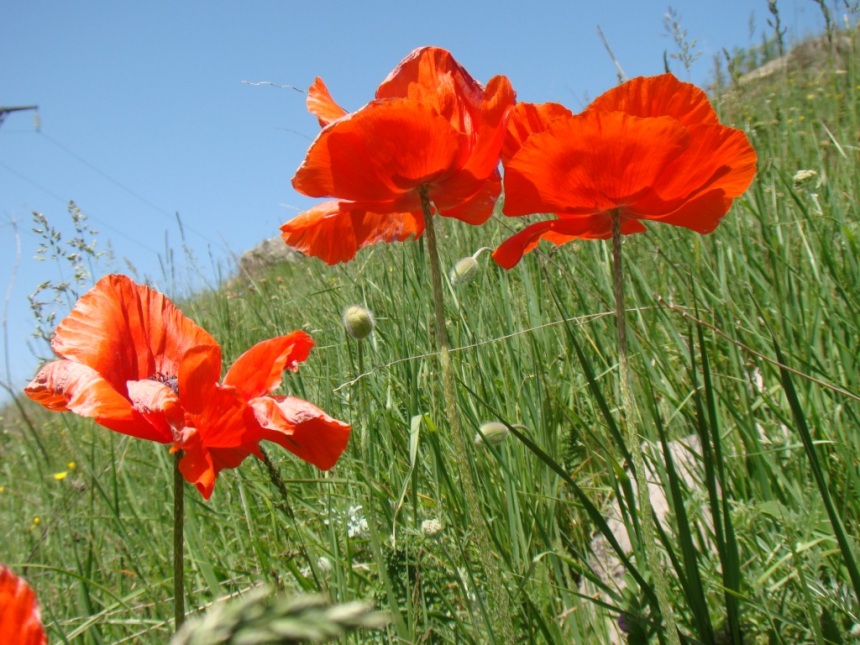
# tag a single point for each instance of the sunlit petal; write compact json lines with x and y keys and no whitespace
{"x":302,"y":428}
{"x":334,"y":231}
{"x":258,"y":371}
{"x":322,"y":105}
{"x":20,"y":617}
{"x":386,"y":149}
{"x":589,"y":163}
{"x":526,"y":119}
{"x":126,"y":331}
{"x":67,"y":386}
{"x":664,"y":95}
{"x":431,"y":76}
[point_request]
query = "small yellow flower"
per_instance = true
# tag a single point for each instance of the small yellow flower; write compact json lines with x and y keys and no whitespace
{"x":2,"y":488}
{"x":36,"y":521}
{"x":60,"y":476}
{"x":71,"y":465}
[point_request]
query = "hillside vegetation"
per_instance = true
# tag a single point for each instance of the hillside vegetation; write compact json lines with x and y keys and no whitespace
{"x":747,"y":339}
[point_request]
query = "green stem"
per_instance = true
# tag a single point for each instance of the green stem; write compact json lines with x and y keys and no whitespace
{"x":178,"y":543}
{"x":498,"y":597}
{"x":631,"y":422}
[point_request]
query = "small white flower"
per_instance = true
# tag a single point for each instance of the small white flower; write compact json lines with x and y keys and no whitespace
{"x":431,"y":528}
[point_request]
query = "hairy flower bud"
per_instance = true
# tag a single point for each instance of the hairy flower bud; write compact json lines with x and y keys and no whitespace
{"x":464,"y":270}
{"x":358,"y":322}
{"x":492,"y":432}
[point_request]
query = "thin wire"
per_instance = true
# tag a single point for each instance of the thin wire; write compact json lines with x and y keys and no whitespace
{"x":62,"y":200}
{"x":119,"y":184}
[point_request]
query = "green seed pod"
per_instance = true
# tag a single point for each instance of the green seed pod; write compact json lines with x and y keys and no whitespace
{"x":358,"y":322}
{"x":492,"y":432}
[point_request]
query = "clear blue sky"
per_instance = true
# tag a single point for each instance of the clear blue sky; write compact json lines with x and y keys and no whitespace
{"x":144,"y":112}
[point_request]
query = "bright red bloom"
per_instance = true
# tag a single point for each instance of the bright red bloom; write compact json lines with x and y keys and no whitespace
{"x":20,"y":619}
{"x":431,"y":128}
{"x":136,"y":365}
{"x":650,"y":149}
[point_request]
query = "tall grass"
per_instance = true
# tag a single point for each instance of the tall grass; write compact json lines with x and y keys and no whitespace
{"x":746,"y":339}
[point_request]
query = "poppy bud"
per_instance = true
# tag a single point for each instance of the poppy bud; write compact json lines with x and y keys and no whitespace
{"x":466,"y":269}
{"x":492,"y":432}
{"x":358,"y":322}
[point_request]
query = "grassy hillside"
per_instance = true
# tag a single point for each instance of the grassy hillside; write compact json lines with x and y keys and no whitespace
{"x":748,"y":338}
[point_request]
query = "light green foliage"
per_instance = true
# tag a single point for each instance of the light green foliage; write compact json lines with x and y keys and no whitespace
{"x":782,"y":269}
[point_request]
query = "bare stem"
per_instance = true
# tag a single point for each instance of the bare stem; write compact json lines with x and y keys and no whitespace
{"x":631,"y":423}
{"x":178,"y":543}
{"x":499,"y":603}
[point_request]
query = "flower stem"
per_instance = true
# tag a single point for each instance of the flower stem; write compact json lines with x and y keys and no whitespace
{"x":178,"y":543}
{"x":631,"y":422}
{"x":499,"y":604}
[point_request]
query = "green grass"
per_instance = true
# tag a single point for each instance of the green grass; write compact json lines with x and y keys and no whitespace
{"x":750,"y":548}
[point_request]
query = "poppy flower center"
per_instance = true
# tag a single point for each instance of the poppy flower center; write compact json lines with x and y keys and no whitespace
{"x":167,"y":379}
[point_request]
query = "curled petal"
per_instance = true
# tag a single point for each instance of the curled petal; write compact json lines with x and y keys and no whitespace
{"x":68,"y":386}
{"x":322,"y":105}
{"x":158,"y":403}
{"x":127,"y":332}
{"x":197,"y":466}
{"x":302,"y":428}
{"x":499,"y":98}
{"x":334,"y":231}
{"x":593,"y":162}
{"x":20,"y":617}
{"x":664,"y":95}
{"x":258,"y":371}
{"x":199,"y":372}
{"x":701,"y":214}
{"x":526,"y":119}
{"x":431,"y":76}
{"x":560,"y":231}
{"x":381,"y":152}
{"x":474,"y":209}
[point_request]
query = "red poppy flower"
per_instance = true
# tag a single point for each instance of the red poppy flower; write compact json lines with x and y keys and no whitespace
{"x":650,"y":149}
{"x":432,"y":128}
{"x":20,"y":619}
{"x":136,"y":365}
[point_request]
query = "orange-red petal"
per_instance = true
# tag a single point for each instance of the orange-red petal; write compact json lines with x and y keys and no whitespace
{"x":560,"y":231}
{"x":452,"y":199}
{"x":322,"y":105}
{"x":126,"y":331}
{"x":718,"y":157}
{"x":199,"y":371}
{"x":526,"y":119}
{"x":701,"y":214}
{"x":68,"y":386}
{"x":431,"y":76}
{"x":499,"y":98}
{"x":20,"y":617}
{"x":302,"y":428}
{"x":158,"y":403}
{"x":384,"y":150}
{"x":593,"y":162}
{"x":258,"y":371}
{"x":334,"y":231}
{"x":664,"y":95}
